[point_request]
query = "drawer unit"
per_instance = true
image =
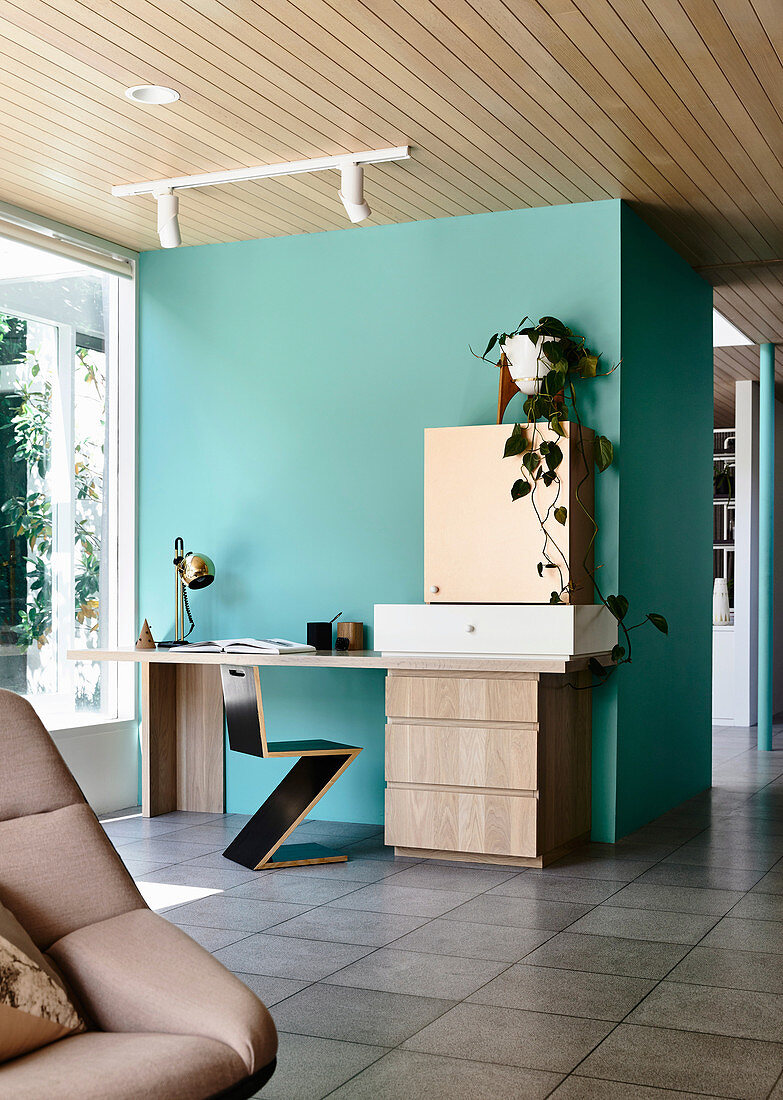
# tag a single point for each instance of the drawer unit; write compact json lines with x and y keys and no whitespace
{"x":472,"y":698}
{"x":485,"y":765}
{"x":463,"y":756}
{"x":498,"y":629}
{"x":464,"y":822}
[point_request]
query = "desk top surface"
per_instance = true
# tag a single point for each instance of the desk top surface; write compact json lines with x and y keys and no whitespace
{"x":365,"y":658}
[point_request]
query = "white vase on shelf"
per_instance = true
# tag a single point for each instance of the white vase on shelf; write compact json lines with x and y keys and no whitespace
{"x":721,"y":615}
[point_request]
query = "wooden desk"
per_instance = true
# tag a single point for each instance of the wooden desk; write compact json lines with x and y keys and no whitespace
{"x":487,"y":758}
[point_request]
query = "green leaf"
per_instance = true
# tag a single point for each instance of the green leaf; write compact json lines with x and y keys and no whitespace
{"x":553,"y":383}
{"x":492,"y":341}
{"x":530,"y":461}
{"x":516,"y":442}
{"x":560,"y":514}
{"x":618,"y":605}
{"x":604,"y":452}
{"x":540,"y":568}
{"x":555,"y":597}
{"x":520,"y":488}
{"x":618,"y":652}
{"x":548,"y":477}
{"x":550,"y":326}
{"x":556,"y":424}
{"x":554,"y":456}
{"x":597,"y":668}
{"x":588,"y":366}
{"x":553,"y":350}
{"x":659,"y":621}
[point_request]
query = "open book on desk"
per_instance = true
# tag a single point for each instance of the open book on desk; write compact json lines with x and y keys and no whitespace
{"x":248,"y":645}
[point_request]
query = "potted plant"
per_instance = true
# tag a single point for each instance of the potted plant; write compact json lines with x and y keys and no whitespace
{"x":551,"y":361}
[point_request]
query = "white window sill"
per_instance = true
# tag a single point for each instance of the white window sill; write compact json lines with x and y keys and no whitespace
{"x":75,"y":725}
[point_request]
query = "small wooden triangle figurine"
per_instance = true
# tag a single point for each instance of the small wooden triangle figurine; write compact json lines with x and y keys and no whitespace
{"x":145,"y":639}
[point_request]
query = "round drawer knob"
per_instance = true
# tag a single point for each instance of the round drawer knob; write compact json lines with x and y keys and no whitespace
{"x":470,"y":628}
{"x":434,"y":588}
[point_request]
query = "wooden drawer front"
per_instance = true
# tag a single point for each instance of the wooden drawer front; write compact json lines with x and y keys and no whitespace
{"x":453,"y":697}
{"x":489,"y":824}
{"x":462,"y":756}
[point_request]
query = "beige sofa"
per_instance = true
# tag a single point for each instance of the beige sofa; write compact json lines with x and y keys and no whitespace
{"x":167,"y":1021}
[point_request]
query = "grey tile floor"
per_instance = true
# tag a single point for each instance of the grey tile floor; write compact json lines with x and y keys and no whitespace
{"x":647,"y":969}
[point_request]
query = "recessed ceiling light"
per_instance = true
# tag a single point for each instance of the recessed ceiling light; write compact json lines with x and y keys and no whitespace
{"x":151,"y":93}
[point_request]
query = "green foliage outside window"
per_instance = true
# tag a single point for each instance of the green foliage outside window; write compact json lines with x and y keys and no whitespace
{"x":26,"y":518}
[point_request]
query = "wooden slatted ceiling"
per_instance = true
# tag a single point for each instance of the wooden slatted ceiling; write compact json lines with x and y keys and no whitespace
{"x":732,"y":365}
{"x":674,"y":105}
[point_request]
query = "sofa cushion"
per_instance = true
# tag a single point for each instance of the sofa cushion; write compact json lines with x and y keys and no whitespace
{"x":137,"y":972}
{"x":96,"y":1066}
{"x":39,"y":779}
{"x":35,"y":1008}
{"x":58,"y":872}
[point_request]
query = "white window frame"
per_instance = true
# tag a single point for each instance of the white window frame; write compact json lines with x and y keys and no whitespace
{"x":17,"y":224}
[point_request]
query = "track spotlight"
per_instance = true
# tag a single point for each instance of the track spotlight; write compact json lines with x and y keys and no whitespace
{"x":351,"y":184}
{"x":168,"y":221}
{"x":352,"y":192}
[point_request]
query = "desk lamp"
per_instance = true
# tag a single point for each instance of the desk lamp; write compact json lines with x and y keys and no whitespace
{"x":190,"y":571}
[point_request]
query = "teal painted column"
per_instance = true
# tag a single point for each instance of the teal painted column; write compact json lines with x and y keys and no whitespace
{"x":766,"y":540}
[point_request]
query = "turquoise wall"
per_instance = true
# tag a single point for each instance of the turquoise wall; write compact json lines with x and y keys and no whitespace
{"x":665,"y":462}
{"x":284,"y":389}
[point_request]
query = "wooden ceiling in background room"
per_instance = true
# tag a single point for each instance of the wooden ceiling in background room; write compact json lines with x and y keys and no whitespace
{"x":673,"y":105}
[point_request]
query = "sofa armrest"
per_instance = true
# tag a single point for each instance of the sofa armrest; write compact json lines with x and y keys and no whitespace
{"x":137,"y":972}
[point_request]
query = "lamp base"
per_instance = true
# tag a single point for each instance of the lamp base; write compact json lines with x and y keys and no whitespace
{"x":172,"y":643}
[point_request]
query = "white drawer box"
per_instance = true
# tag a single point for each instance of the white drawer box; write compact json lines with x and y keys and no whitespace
{"x":520,"y":630}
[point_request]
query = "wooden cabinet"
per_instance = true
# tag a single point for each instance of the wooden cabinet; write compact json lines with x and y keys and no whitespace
{"x":489,"y":767}
{"x":482,"y":547}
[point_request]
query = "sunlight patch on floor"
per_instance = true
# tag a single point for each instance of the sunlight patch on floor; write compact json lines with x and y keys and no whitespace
{"x":160,"y":895}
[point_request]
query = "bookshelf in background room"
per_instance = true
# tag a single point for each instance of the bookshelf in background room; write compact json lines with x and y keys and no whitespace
{"x":724,"y":483}
{"x":723,"y":508}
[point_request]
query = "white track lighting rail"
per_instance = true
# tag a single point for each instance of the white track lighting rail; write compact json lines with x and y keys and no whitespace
{"x":263,"y":171}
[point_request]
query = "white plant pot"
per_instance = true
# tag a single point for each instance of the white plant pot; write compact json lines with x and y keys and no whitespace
{"x":522,"y":355}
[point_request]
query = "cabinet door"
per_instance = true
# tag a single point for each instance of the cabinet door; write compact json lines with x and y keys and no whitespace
{"x":482,"y":547}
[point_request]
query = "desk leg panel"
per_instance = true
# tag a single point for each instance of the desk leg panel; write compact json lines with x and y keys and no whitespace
{"x":158,"y":739}
{"x":200,"y":771}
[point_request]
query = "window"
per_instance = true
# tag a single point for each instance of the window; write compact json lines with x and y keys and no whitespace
{"x":66,"y":498}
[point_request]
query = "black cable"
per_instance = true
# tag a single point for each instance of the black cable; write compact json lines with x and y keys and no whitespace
{"x":187,"y":609}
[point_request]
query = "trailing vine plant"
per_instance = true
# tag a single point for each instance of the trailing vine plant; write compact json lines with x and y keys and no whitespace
{"x":563,"y":361}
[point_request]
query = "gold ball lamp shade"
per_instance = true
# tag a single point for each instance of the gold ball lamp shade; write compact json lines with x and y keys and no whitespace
{"x":196,"y":570}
